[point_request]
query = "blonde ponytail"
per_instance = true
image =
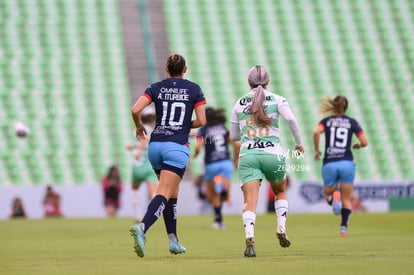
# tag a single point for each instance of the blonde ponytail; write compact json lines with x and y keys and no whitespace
{"x":335,"y":106}
{"x":258,"y":78}
{"x":258,"y":114}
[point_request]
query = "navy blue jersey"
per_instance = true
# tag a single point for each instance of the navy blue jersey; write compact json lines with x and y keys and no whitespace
{"x":216,"y":142}
{"x":338,"y":137}
{"x":175,"y":100}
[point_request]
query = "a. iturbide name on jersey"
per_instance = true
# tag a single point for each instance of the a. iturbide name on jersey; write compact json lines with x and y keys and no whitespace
{"x":173,"y":94}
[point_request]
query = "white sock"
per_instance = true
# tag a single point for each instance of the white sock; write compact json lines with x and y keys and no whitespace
{"x":281,"y":209}
{"x":249,"y":219}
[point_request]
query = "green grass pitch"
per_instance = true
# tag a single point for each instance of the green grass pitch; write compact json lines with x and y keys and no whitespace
{"x":377,"y":244}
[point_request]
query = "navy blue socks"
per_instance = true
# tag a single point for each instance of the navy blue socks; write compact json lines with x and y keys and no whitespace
{"x":170,"y":218}
{"x":217,"y":214}
{"x":345,"y":213}
{"x":155,"y":210}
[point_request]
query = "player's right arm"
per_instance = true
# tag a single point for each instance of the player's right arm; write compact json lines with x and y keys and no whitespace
{"x":141,"y":103}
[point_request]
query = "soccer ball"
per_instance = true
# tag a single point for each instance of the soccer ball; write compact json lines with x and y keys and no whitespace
{"x":21,"y":130}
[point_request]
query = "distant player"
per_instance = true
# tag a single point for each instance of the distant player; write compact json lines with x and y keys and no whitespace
{"x":255,"y":123}
{"x":112,"y":189}
{"x":338,"y":170}
{"x":215,"y":139}
{"x":142,"y":171}
{"x":175,"y":99}
{"x":17,"y":210}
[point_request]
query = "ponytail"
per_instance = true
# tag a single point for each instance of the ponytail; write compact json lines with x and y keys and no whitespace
{"x":335,"y":106}
{"x":258,"y":113}
{"x":258,"y":79}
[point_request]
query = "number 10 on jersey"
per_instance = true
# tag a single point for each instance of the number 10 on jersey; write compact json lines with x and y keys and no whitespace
{"x":169,"y":111}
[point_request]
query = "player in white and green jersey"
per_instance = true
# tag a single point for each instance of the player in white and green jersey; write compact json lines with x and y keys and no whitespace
{"x":142,"y":171}
{"x":255,"y":124}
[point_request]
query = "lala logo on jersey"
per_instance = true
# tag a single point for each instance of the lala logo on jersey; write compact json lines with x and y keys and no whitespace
{"x":260,"y":145}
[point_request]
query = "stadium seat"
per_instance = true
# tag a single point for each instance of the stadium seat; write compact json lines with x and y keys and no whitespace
{"x":69,"y":72}
{"x":313,"y":49}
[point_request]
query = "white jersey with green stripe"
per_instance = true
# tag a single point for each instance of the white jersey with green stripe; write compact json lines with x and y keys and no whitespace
{"x":254,"y":138}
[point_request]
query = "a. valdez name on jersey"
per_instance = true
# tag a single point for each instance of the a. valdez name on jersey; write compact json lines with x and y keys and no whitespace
{"x":339,"y":122}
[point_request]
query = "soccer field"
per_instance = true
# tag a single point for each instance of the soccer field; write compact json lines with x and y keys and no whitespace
{"x":377,"y":244}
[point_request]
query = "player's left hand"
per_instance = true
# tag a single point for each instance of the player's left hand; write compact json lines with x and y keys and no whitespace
{"x":356,"y":145}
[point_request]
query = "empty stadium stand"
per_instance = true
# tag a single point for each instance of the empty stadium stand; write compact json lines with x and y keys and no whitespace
{"x":63,"y":74}
{"x":362,"y":49}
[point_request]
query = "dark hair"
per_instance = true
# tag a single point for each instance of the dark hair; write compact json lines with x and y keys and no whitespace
{"x":336,"y":106}
{"x":215,"y":116}
{"x":210,"y":115}
{"x":220,"y":116}
{"x":258,"y":78}
{"x":175,"y":65}
{"x":111,"y":170}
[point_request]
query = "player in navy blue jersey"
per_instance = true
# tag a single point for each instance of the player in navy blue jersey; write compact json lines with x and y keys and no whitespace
{"x":175,"y":99}
{"x":338,"y":170}
{"x":218,"y":165}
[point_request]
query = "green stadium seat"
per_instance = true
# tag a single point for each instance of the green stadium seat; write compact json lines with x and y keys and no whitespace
{"x":54,"y":69}
{"x":347,"y":44}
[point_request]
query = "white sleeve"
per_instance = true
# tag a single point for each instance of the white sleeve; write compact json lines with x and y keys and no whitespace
{"x":290,"y":118}
{"x":234,"y":118}
{"x":235,"y":132}
{"x":234,"y":127}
